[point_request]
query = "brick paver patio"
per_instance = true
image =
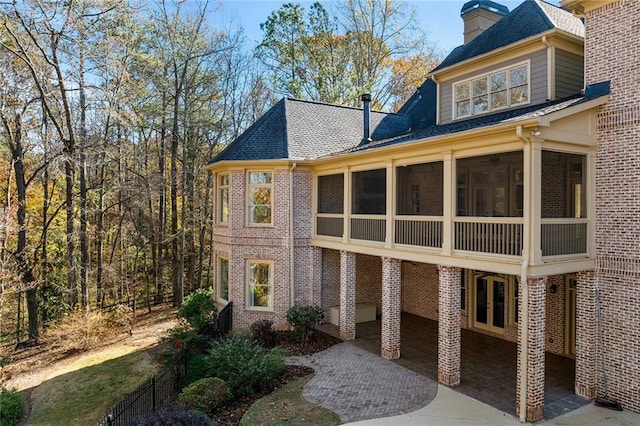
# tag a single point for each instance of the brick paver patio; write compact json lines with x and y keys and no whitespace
{"x":359,"y":385}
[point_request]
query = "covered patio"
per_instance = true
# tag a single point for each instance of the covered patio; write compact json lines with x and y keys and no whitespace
{"x":488,"y":364}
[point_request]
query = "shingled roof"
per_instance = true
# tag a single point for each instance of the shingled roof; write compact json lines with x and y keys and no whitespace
{"x":528,"y":19}
{"x":592,"y":91}
{"x":296,"y":130}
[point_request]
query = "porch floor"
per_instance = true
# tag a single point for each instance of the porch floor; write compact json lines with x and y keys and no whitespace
{"x":488,"y":364}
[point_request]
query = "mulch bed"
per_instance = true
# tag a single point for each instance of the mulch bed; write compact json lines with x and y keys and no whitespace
{"x":319,"y":341}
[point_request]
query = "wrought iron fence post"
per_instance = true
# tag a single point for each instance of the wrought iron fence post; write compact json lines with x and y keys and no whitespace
{"x":153,"y":393}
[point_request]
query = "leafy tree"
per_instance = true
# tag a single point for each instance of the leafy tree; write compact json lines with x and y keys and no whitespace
{"x":336,"y":57}
{"x":408,"y":74}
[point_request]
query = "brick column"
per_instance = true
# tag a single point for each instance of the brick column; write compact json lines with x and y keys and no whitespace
{"x":347,"y":295}
{"x":391,"y":307}
{"x":586,"y":336}
{"x":449,"y":326}
{"x":534,"y":394}
{"x":316,"y":277}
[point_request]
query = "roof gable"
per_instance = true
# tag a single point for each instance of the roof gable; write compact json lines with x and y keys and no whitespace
{"x":528,"y":19}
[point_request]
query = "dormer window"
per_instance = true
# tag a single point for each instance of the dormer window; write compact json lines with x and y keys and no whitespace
{"x":490,"y":92}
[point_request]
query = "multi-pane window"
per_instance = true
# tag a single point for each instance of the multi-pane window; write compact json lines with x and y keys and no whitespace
{"x":223,"y":199}
{"x":260,"y":284}
{"x":260,"y":201}
{"x":504,"y":88}
{"x":223,"y":278}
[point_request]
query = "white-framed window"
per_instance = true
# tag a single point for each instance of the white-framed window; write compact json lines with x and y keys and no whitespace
{"x":223,"y":278}
{"x":494,"y":91}
{"x":259,"y":194}
{"x":260,"y":284}
{"x":223,"y":198}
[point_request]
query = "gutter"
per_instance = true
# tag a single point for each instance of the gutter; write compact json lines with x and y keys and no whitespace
{"x":291,"y":238}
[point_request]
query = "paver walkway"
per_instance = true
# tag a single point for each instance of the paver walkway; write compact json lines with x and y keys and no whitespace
{"x":359,"y":385}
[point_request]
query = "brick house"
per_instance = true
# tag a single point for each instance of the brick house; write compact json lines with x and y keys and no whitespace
{"x":502,"y":198}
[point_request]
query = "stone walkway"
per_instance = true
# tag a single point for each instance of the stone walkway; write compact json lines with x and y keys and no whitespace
{"x":358,"y":385}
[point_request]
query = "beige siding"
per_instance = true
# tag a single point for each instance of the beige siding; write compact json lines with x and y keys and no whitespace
{"x":538,"y":82}
{"x":569,"y":73}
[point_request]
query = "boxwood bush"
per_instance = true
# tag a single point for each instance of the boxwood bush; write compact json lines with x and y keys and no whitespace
{"x":206,"y":395}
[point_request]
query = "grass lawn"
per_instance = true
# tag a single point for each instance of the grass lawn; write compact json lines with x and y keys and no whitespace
{"x":287,"y":406}
{"x":82,"y":393}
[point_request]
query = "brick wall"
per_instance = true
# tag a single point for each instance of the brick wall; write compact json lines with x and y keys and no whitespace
{"x":420,"y":289}
{"x":369,"y":280}
{"x":554,"y":182}
{"x":240,"y":242}
{"x":611,"y":53}
{"x":330,"y":284}
{"x":555,"y":308}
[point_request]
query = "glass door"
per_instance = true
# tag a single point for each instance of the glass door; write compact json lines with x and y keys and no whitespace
{"x":489,"y":303}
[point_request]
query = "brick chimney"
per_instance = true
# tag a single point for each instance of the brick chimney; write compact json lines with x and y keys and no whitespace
{"x":478,"y":15}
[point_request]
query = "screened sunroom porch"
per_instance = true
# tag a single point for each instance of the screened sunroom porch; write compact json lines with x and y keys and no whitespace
{"x":501,"y":206}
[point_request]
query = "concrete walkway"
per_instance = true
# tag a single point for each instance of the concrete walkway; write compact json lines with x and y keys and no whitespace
{"x":364,"y":388}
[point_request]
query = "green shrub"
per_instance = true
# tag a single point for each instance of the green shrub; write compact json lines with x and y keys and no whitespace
{"x":11,"y":407}
{"x":243,"y":364}
{"x":197,"y":368}
{"x":206,"y":395}
{"x":172,"y":417}
{"x":199,"y":310}
{"x":263,"y":332}
{"x":303,"y":318}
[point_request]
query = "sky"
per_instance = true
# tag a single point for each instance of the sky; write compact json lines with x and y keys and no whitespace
{"x":440,"y":17}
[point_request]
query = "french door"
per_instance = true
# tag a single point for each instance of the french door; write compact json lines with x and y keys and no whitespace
{"x":489,"y":303}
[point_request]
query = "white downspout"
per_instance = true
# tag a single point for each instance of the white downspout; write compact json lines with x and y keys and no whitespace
{"x":524,"y":324}
{"x":291,"y":238}
{"x":523,"y":319}
{"x":551,"y":69}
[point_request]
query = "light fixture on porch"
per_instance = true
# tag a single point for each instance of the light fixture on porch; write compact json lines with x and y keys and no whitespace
{"x":553,"y":289}
{"x":535,"y":132}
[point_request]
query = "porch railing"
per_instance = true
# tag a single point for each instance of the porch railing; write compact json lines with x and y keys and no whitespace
{"x":419,"y":231}
{"x":330,"y":225}
{"x":563,"y":237}
{"x":494,"y":236}
{"x":369,"y":228}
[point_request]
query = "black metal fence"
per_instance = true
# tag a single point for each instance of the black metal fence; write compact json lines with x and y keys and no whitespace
{"x":161,"y":390}
{"x":21,"y":335}
{"x":225,"y":323}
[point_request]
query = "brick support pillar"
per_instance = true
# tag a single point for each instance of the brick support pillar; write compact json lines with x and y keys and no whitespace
{"x":391,"y":307}
{"x":586,"y":336}
{"x":449,"y":326}
{"x":534,"y":394}
{"x":347,"y":295}
{"x":316,"y":276}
